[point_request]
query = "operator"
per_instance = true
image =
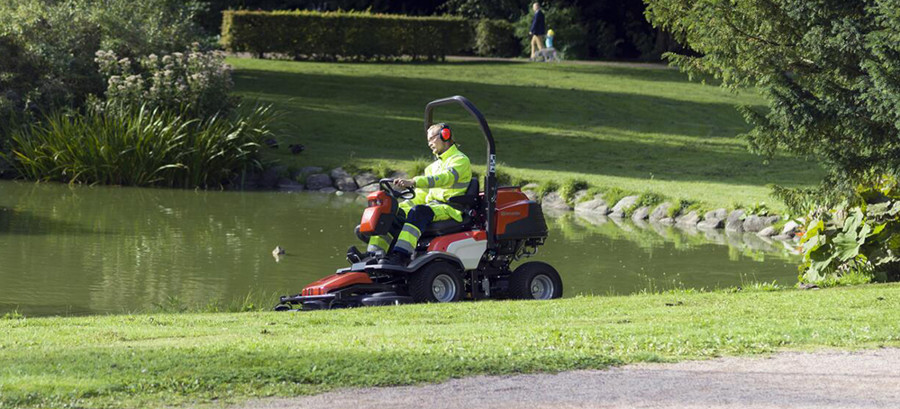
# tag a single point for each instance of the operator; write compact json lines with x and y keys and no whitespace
{"x":446,"y":177}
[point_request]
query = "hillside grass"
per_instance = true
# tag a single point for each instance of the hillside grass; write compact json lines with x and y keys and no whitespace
{"x":640,"y":129}
{"x":156,"y":360}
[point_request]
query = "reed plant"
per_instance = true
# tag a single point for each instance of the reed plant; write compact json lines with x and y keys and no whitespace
{"x":141,"y":147}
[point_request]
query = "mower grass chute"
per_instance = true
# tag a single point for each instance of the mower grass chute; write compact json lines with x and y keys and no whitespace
{"x":453,"y":260}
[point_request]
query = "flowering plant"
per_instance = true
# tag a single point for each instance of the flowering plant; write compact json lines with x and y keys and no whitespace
{"x":194,"y":81}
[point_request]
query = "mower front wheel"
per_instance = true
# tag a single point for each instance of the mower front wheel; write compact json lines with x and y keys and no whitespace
{"x":535,"y":280}
{"x":436,"y":282}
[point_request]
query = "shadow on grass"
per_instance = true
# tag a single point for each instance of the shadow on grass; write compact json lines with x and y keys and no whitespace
{"x":590,"y":132}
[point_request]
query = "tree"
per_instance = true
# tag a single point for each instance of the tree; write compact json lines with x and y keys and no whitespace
{"x":829,"y":69}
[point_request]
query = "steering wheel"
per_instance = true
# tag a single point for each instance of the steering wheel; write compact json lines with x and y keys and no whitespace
{"x":387,"y":185}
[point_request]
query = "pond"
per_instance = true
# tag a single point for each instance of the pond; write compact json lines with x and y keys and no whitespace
{"x":93,"y":250}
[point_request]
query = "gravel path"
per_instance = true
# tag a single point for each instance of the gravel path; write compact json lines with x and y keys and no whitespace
{"x":827,"y":379}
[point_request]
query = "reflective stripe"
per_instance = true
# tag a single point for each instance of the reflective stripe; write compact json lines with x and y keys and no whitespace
{"x":459,"y":186}
{"x":411,"y":229}
{"x":430,"y":180}
{"x":404,"y":245}
{"x":408,"y":238}
{"x":455,"y":174}
{"x":379,"y":244}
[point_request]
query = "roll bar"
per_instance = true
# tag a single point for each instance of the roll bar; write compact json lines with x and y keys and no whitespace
{"x":490,"y":179}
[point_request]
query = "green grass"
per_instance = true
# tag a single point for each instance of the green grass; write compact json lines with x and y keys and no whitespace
{"x":154,"y":360}
{"x":643,"y":130}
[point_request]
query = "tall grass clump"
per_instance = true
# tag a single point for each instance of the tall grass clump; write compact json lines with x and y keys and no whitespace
{"x":141,"y":147}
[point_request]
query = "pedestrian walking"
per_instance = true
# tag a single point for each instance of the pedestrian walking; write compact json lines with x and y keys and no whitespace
{"x":538,"y":29}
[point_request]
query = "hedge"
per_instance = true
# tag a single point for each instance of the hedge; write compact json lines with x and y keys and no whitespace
{"x":342,"y":34}
{"x":496,"y":38}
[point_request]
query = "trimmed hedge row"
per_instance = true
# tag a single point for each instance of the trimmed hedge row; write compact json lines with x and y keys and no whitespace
{"x":350,"y":35}
{"x":496,"y":38}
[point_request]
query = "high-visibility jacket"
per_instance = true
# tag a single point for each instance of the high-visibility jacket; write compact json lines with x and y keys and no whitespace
{"x":446,"y":177}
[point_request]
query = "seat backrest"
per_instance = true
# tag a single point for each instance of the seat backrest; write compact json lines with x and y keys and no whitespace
{"x":473,"y":188}
{"x":469,"y":199}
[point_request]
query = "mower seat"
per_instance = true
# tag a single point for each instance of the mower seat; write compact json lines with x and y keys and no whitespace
{"x":465,"y":203}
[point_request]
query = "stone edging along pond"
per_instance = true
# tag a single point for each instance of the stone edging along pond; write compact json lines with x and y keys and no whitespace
{"x":339,"y":180}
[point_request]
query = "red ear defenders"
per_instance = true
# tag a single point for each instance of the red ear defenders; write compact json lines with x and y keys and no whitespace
{"x":446,"y":134}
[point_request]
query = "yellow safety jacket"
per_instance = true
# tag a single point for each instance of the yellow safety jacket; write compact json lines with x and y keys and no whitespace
{"x":446,"y":177}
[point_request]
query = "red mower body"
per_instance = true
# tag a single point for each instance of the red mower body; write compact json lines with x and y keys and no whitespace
{"x":378,"y":217}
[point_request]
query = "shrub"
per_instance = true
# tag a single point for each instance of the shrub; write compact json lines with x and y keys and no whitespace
{"x":48,"y":47}
{"x":141,"y":147}
{"x":848,"y":242}
{"x":571,"y":35}
{"x":496,"y":38}
{"x":353,"y":35}
{"x":195,"y":82}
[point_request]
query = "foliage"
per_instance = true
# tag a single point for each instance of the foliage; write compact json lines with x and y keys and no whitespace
{"x":487,"y":9}
{"x":52,"y":45}
{"x":862,"y":238}
{"x":495,"y":38}
{"x":194,"y":82}
{"x":141,"y":147}
{"x":829,"y":70}
{"x":353,"y":35}
{"x":570,"y":187}
{"x":570,"y":33}
{"x":758,"y":208}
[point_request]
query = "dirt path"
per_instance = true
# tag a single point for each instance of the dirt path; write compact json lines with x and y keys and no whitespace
{"x":828,"y":379}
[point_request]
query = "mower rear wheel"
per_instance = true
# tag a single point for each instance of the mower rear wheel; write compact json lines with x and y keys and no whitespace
{"x":436,"y":282}
{"x":535,"y":280}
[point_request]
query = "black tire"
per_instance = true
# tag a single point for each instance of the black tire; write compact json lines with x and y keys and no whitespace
{"x":436,"y":282}
{"x":535,"y":280}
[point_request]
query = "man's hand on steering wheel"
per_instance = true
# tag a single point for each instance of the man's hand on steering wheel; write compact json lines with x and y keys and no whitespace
{"x":405,"y":183}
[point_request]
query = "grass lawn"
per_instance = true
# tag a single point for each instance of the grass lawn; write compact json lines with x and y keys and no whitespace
{"x":177,"y":359}
{"x":639,"y":129}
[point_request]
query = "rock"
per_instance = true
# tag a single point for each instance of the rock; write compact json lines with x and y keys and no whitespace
{"x":667,"y":220}
{"x":713,"y":219}
{"x":530,"y":191}
{"x":368,"y":188}
{"x":734,"y":222}
{"x":579,"y":195}
{"x":641,"y":213}
{"x":399,"y":175}
{"x":318,"y":181}
{"x":554,"y":201}
{"x":767,"y":232}
{"x":782,"y":237}
{"x":756,"y":223}
{"x":365,"y":179}
{"x":596,"y":206}
{"x":661,"y":212}
{"x":790,"y":228}
{"x":288,"y":185}
{"x":716,"y":214}
{"x":689,"y":219}
{"x":272,"y":143}
{"x":269,"y":178}
{"x":342,"y":180}
{"x":328,"y":189}
{"x":627,"y":202}
{"x":710,"y":224}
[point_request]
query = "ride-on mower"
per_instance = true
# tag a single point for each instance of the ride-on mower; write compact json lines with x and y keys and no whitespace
{"x":453,"y":260}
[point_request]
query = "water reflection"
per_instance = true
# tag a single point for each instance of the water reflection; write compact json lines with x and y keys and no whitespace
{"x":107,"y":250}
